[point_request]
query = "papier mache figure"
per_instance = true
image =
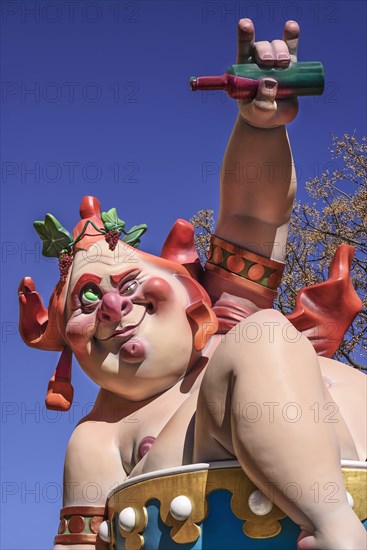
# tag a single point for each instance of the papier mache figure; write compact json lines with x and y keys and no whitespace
{"x":150,"y":332}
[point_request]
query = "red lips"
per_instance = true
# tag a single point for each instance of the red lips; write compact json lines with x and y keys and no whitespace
{"x":125,"y":333}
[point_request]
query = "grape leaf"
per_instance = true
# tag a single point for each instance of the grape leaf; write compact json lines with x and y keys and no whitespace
{"x":111,"y":221}
{"x":55,"y":237}
{"x":132,"y":237}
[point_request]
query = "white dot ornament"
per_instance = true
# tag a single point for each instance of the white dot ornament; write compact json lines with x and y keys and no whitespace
{"x":127,"y":519}
{"x":259,"y":504}
{"x":181,"y":508}
{"x":104,"y":531}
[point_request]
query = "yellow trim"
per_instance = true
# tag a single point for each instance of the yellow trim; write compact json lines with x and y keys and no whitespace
{"x":197,"y":485}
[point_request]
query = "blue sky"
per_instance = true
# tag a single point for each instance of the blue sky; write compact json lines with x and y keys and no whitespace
{"x":111,"y":115}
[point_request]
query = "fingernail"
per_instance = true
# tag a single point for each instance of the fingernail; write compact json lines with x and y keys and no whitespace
{"x":246,"y":23}
{"x":267,"y":56}
{"x":270,"y":84}
{"x":283,"y":57}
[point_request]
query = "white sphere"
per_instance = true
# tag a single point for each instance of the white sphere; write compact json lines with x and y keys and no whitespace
{"x":127,"y":519}
{"x":350,"y":500}
{"x":181,"y":508}
{"x":104,"y":531}
{"x":259,"y":504}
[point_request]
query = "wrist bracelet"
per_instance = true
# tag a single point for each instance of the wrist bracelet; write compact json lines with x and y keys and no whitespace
{"x":239,"y":272}
{"x":80,"y":524}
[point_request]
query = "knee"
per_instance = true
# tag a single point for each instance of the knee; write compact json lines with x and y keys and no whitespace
{"x":265,"y":327}
{"x":265,"y":338}
{"x":264,"y":316}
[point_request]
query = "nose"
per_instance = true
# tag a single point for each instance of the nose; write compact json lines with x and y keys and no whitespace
{"x":113,"y":307}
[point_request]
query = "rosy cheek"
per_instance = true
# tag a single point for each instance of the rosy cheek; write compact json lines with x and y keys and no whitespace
{"x":157,"y":290}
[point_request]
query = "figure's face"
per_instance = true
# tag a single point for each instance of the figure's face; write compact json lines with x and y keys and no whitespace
{"x":126,"y":322}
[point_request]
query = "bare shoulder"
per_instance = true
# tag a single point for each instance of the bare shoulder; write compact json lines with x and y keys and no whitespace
{"x":88,"y":434}
{"x":92,"y":454}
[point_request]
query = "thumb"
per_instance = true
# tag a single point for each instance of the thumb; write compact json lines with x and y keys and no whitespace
{"x":266,"y":94}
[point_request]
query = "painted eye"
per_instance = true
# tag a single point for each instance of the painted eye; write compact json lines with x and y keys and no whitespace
{"x":129,"y":287}
{"x":90,"y":295}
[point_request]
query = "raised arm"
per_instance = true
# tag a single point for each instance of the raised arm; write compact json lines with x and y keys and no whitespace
{"x":258,"y":180}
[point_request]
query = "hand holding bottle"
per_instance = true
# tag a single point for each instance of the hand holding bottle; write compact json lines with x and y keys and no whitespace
{"x":267,"y":78}
{"x":264,"y":110}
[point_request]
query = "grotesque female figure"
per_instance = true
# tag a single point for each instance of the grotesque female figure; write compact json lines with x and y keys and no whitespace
{"x":150,"y":332}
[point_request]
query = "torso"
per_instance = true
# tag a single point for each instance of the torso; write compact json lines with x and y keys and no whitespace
{"x":163,"y":428}
{"x":346,"y":393}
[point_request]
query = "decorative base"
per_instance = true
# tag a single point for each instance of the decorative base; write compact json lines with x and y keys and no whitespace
{"x":209,"y":507}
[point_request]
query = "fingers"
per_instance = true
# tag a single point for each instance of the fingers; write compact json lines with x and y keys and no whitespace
{"x":264,"y":54}
{"x":291,"y":38}
{"x":281,"y":53}
{"x":278,"y":53}
{"x":274,"y":54}
{"x":246,"y":41}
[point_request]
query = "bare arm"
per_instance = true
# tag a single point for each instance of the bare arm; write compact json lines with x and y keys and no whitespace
{"x":258,"y":185}
{"x":92,"y":469}
{"x":258,"y":180}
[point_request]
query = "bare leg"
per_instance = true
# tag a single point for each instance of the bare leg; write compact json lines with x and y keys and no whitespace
{"x":348,"y":388}
{"x":257,"y":402}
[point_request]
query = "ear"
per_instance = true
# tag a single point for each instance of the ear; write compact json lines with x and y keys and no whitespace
{"x":203,"y":321}
{"x":60,"y":392}
{"x":180,"y":245}
{"x":37,"y":325}
{"x":201,"y":316}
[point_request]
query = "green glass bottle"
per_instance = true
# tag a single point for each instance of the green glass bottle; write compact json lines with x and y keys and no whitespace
{"x":241,"y":81}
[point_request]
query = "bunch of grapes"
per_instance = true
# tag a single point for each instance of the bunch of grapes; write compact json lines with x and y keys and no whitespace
{"x":112,"y":238}
{"x":65,"y":261}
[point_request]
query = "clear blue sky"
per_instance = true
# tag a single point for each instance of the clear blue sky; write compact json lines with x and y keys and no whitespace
{"x":111,"y":115}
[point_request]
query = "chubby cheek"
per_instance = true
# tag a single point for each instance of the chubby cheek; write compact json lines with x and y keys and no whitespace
{"x":80,"y":330}
{"x":157,"y":291}
{"x":169,"y":341}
